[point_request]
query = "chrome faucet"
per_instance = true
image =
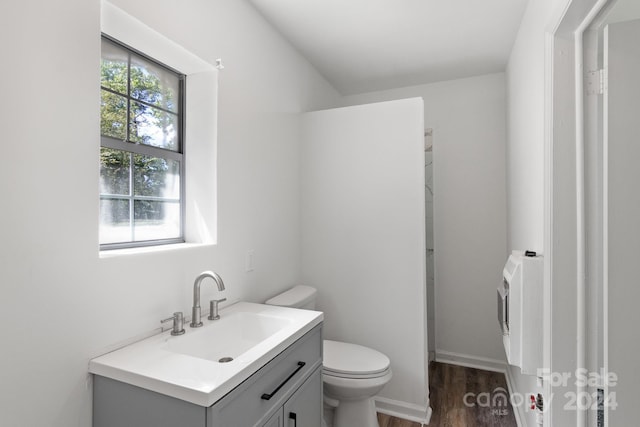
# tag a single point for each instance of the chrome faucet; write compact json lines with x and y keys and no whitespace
{"x":196,"y":321}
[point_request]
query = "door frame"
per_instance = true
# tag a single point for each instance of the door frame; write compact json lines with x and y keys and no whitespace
{"x":565,"y":326}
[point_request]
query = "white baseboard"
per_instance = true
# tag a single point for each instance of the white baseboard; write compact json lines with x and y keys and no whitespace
{"x":517,"y":412}
{"x":485,"y":363}
{"x":404,"y":410}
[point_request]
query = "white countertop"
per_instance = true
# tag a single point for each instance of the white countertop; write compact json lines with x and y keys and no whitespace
{"x":150,"y":365}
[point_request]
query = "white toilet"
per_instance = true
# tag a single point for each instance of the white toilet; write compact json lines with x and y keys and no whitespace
{"x":351,"y":374}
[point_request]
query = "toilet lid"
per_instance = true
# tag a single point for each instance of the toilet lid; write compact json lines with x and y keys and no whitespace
{"x":344,"y":358}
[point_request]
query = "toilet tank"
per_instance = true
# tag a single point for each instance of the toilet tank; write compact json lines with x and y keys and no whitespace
{"x":297,"y":297}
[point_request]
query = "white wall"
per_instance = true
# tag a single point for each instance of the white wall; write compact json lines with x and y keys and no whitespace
{"x":526,"y":87}
{"x":468,"y":121}
{"x":525,"y":123}
{"x":363,"y":241}
{"x":60,"y":303}
{"x":525,"y":150}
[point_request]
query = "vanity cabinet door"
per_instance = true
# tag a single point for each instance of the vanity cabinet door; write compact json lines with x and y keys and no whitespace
{"x":304,"y":407}
{"x":277,"y":420}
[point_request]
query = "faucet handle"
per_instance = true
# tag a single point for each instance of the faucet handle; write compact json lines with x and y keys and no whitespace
{"x":213,"y":308}
{"x":178,"y":323}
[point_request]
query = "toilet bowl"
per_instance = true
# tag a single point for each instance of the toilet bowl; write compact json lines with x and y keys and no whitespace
{"x":351,"y":374}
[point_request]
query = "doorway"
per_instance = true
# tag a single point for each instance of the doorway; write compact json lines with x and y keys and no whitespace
{"x":612,"y":208}
{"x":430,"y":250}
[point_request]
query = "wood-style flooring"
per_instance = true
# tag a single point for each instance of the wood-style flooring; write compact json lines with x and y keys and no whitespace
{"x":448,"y":386}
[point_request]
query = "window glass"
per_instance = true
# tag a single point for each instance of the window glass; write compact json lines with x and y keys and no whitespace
{"x":114,"y":67}
{"x":154,"y":85}
{"x":156,"y":177}
{"x":115,"y":225}
{"x":156,"y":220}
{"x":114,"y":172}
{"x":152,"y":126}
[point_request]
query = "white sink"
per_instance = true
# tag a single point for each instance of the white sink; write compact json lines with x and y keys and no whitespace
{"x":230,"y":337}
{"x":188,"y":366}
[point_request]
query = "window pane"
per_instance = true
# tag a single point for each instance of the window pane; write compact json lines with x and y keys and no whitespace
{"x":113,"y":67}
{"x":154,"y":84}
{"x":156,"y":220}
{"x":114,"y":171}
{"x":156,"y":177}
{"x":114,"y":221}
{"x":151,"y":126}
{"x":113,"y":115}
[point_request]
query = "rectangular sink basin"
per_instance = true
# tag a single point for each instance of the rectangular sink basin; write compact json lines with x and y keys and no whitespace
{"x":188,"y":366}
{"x":227,"y":338}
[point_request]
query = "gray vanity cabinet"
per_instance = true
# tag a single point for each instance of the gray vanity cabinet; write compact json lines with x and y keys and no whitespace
{"x":277,"y":420}
{"x":285,"y":392}
{"x":303,"y":408}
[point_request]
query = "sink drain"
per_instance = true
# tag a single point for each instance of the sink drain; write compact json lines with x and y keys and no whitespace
{"x":225,"y":359}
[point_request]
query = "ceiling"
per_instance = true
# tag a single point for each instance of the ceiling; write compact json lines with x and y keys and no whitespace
{"x":369,"y":45}
{"x":621,"y":11}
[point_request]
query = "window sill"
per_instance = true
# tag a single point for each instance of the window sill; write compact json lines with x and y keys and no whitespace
{"x":115,"y":253}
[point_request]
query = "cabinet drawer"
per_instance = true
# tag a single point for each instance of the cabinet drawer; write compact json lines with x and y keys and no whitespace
{"x":258,"y":397}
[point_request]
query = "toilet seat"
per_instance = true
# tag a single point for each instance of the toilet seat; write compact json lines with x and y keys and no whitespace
{"x":346,"y":360}
{"x":326,"y":373}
